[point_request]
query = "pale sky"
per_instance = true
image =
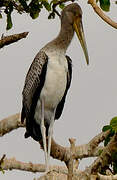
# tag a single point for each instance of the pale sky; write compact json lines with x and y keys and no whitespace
{"x":92,"y":99}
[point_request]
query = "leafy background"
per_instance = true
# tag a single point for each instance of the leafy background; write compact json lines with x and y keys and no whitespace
{"x":34,"y":8}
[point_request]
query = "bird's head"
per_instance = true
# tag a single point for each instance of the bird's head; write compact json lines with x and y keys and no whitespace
{"x":72,"y":13}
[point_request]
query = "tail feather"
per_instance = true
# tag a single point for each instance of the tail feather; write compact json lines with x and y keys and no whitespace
{"x":34,"y":130}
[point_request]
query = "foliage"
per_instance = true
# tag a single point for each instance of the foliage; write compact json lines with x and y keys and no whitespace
{"x":105,"y":5}
{"x":113,"y":129}
{"x":34,"y":7}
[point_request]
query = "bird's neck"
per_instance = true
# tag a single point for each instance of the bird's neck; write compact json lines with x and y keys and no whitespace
{"x":65,"y":36}
{"x":62,"y":41}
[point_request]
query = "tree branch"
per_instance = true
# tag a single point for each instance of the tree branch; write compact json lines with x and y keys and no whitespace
{"x":82,"y":151}
{"x":17,"y":6}
{"x":105,"y":157}
{"x":12,"y":163}
{"x":12,"y":38}
{"x":101,"y":14}
{"x":63,"y":153}
{"x":53,"y":176}
{"x":70,"y":164}
{"x":91,"y":149}
{"x":57,"y":151}
{"x":109,"y":177}
{"x":10,"y":123}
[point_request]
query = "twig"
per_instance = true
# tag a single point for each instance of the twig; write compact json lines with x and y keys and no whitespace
{"x":101,"y":14}
{"x":12,"y":38}
{"x":58,"y":3}
{"x":70,"y":164}
{"x":16,"y":5}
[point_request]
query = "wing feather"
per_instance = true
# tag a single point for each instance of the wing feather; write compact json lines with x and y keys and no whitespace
{"x":34,"y":81}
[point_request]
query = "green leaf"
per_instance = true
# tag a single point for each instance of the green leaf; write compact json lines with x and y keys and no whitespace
{"x":115,"y":167}
{"x":34,"y":14}
{"x":105,"y":5}
{"x":46,"y":5}
{"x":62,"y":5}
{"x":107,"y":139}
{"x":24,"y":4}
{"x":112,"y":132}
{"x":114,"y":156}
{"x":8,"y":12}
{"x":10,"y":7}
{"x":113,"y":124}
{"x":9,"y":21}
{"x":34,"y":9}
{"x":106,"y":128}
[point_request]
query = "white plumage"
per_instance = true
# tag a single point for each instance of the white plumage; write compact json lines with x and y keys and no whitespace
{"x":54,"y":86}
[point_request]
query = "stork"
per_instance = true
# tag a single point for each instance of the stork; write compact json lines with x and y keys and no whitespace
{"x":49,"y":78}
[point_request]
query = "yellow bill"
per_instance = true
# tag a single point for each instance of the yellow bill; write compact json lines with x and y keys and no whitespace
{"x":78,"y":27}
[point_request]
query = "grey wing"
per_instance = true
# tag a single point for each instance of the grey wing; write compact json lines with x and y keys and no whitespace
{"x":34,"y":82}
{"x":69,"y":77}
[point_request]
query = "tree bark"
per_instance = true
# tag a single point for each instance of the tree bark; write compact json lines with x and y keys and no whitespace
{"x":12,"y":39}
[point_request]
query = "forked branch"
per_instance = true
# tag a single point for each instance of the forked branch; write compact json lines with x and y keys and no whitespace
{"x":98,"y":10}
{"x":57,"y":151}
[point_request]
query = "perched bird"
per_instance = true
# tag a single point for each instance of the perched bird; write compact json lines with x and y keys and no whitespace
{"x":49,"y":78}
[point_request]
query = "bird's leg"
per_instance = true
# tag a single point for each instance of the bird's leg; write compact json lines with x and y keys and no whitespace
{"x":50,"y":133}
{"x":43,"y":132}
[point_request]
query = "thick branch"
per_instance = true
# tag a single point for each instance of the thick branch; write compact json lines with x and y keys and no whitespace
{"x":12,"y":163}
{"x":105,"y":158}
{"x":91,"y":149}
{"x":101,"y":14}
{"x":12,"y":38}
{"x":70,"y":164}
{"x":57,"y":151}
{"x":53,"y":176}
{"x":63,"y":153}
{"x":10,"y":123}
{"x":60,"y":172}
{"x":82,"y":151}
{"x":104,"y":177}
